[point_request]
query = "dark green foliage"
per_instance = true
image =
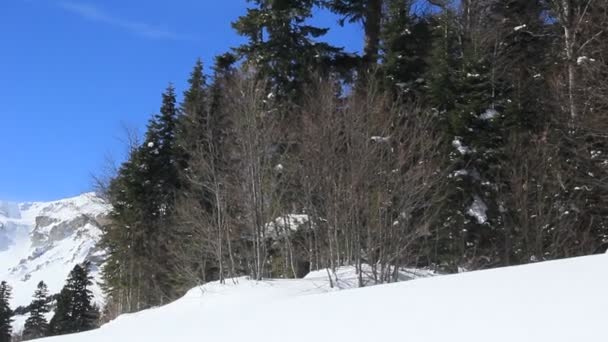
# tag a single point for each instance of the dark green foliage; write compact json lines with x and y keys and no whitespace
{"x":406,"y":47}
{"x":523,"y":43}
{"x":441,"y":93}
{"x":140,"y":264}
{"x":282,"y":46}
{"x":505,"y":177}
{"x":6,"y":313}
{"x":36,"y":325}
{"x":369,"y":14}
{"x":75,"y":310}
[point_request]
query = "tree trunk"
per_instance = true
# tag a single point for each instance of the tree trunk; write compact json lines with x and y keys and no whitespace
{"x":372,"y":24}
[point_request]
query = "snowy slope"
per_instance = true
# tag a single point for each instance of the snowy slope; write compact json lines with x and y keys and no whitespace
{"x":44,"y":240}
{"x":560,"y":301}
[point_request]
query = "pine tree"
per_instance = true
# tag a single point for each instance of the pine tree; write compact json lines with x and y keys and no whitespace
{"x":194,"y":109}
{"x":406,"y":45}
{"x":161,"y":160}
{"x":281,"y":44}
{"x":6,"y":313}
{"x":75,"y":310}
{"x":369,"y":13}
{"x":523,"y":60}
{"x":36,"y":325}
{"x":142,"y":236}
{"x":441,"y":92}
{"x":123,"y":238}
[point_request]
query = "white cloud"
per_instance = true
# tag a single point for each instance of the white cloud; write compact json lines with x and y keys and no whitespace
{"x":97,"y":14}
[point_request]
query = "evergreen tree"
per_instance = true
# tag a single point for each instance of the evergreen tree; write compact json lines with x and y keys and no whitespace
{"x":406,"y":45}
{"x":123,"y":238}
{"x":36,"y":325}
{"x":6,"y":313}
{"x":142,"y":235}
{"x":369,"y":13}
{"x":441,"y":92}
{"x":75,"y":311}
{"x":161,"y":160}
{"x":281,"y":44}
{"x":523,"y":60}
{"x":194,"y":110}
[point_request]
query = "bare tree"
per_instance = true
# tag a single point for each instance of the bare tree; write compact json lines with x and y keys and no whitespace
{"x":371,"y":179}
{"x":573,"y":17}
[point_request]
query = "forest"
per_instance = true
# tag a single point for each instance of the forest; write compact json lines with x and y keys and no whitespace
{"x":465,"y":135}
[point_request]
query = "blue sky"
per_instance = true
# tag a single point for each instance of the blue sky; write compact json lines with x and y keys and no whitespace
{"x":74,"y":73}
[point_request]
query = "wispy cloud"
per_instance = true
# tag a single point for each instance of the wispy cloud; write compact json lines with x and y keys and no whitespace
{"x":97,"y":14}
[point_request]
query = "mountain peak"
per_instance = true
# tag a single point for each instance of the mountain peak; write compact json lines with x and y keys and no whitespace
{"x":45,"y":240}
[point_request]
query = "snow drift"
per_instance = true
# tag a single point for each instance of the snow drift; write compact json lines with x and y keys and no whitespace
{"x":551,"y":301}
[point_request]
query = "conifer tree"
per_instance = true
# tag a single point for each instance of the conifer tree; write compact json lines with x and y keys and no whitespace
{"x":161,"y":160}
{"x":281,"y":43}
{"x":6,"y":313}
{"x":123,"y":238}
{"x":36,"y":325}
{"x":369,"y":13}
{"x":406,"y":45}
{"x":194,"y":110}
{"x":441,"y":92}
{"x":141,"y":262}
{"x":75,"y":311}
{"x":60,"y":322}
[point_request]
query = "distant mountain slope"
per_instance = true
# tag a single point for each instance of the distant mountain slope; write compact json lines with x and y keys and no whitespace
{"x":44,"y":240}
{"x":557,"y":301}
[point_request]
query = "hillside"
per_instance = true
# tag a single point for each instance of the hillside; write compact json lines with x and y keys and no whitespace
{"x":550,"y":301}
{"x":45,"y":240}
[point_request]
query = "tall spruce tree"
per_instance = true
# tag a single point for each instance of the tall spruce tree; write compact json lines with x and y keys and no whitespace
{"x":193,"y":122}
{"x":369,"y":13}
{"x":281,"y":43}
{"x":6,"y":313}
{"x":142,"y":236}
{"x":441,"y":92}
{"x":161,"y":159}
{"x":75,"y":311}
{"x":124,"y":237}
{"x":406,"y":44}
{"x":36,"y":325}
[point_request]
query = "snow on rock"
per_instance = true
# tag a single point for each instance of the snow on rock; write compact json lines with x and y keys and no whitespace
{"x":286,"y":224}
{"x":557,"y":301}
{"x":45,"y":240}
{"x":478,"y":210}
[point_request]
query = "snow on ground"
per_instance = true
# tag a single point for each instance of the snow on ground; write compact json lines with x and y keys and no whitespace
{"x":347,"y":278}
{"x":44,"y":241}
{"x":558,"y":301}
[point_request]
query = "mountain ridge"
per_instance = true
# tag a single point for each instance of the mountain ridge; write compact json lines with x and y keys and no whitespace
{"x":43,"y":241}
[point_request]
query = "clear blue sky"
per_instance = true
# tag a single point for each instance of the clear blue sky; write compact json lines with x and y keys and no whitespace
{"x":73,"y":72}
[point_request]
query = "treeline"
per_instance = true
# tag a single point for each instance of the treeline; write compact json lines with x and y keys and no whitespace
{"x":468,"y":134}
{"x":73,"y":309}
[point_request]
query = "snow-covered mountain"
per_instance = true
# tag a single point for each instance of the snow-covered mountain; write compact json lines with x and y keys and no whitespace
{"x":45,"y":240}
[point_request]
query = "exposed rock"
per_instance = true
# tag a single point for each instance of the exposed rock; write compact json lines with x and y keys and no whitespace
{"x":44,"y":240}
{"x":45,"y":221}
